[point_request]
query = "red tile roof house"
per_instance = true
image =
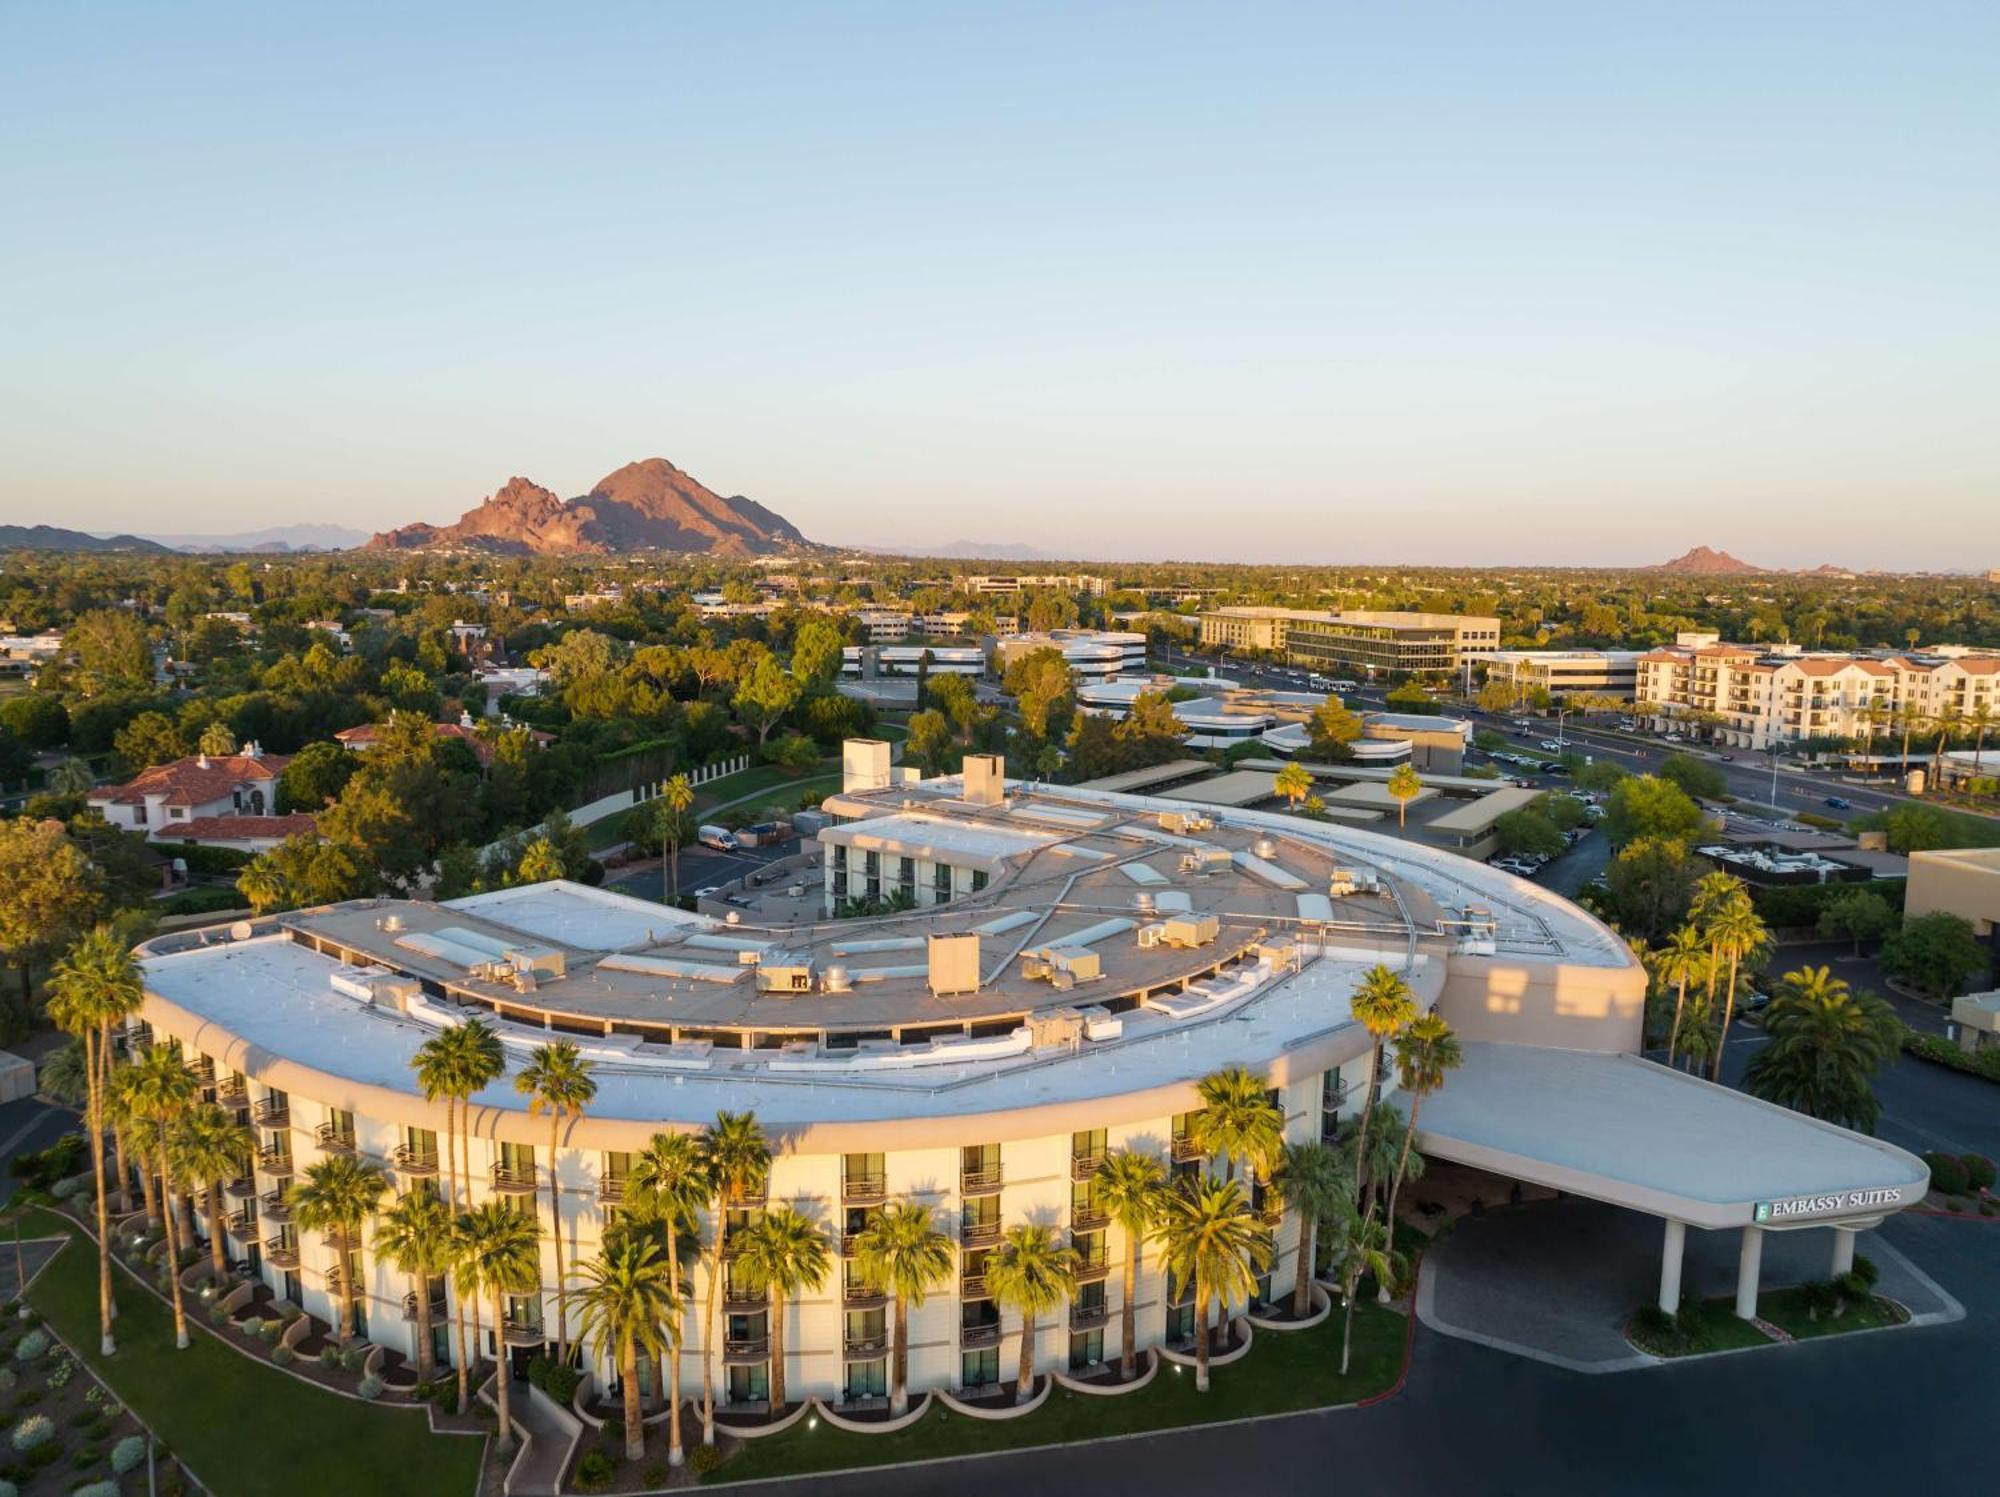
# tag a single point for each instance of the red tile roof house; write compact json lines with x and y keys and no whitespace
{"x":252,"y":834}
{"x":168,"y":800}
{"x":361,"y":739}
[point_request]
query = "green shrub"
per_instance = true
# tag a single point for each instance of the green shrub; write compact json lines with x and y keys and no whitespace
{"x":1948,"y":1174}
{"x":85,"y":1456}
{"x":32,"y":1431}
{"x":1865,"y":1269}
{"x":614,"y":1428}
{"x":329,"y":1358}
{"x":97,"y":1489}
{"x":1978,"y":1171}
{"x":657,"y":1475}
{"x":1941,"y":1051}
{"x":45,"y":1455}
{"x":283,"y":1356}
{"x":271,"y":1330}
{"x":1852,"y":1288}
{"x":704,"y":1459}
{"x":32,"y":1346}
{"x":595,"y":1472}
{"x":371,"y":1387}
{"x":353,"y":1359}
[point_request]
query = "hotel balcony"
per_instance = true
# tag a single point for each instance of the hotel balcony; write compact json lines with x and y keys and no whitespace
{"x":1088,"y":1317}
{"x":280,"y":1253}
{"x":515,"y":1179}
{"x":983,"y":1182}
{"x":203,"y":1070}
{"x":275,"y":1162}
{"x":976,"y":1337}
{"x":272,"y":1112}
{"x":861,"y":1295}
{"x":979,"y":1234}
{"x":864,"y":1348}
{"x":333,"y":1139}
{"x":412,"y":1161}
{"x":241,"y":1224}
{"x":972,"y":1286}
{"x":863,"y":1190}
{"x":232,"y":1091}
{"x":737,"y":1300}
{"x":1084,"y":1166}
{"x":1186,"y":1148}
{"x":746,"y":1353}
{"x":242,"y":1188}
{"x":1093,"y":1270}
{"x":274,"y":1207}
{"x":1333,"y":1098}
{"x":439,"y":1308}
{"x":517,"y":1332}
{"x":1089,"y":1219}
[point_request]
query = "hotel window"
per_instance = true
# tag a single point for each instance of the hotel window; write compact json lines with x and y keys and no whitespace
{"x":868,"y":1379}
{"x":978,"y":879}
{"x":979,"y":1369}
{"x":750,"y":1384}
{"x":941,"y":882}
{"x":1086,"y":1349}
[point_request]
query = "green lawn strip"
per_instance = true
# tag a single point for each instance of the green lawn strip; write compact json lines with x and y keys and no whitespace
{"x":246,"y":1429}
{"x":1718,"y":1330}
{"x":1284,"y":1372}
{"x":1786,"y":1309}
{"x":782,"y":784}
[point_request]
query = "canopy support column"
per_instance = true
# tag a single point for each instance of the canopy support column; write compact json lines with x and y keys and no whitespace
{"x":1843,"y":1250}
{"x":1748,"y":1262}
{"x":1670,"y":1265}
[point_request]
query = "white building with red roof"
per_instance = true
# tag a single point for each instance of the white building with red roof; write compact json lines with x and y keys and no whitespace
{"x":164,"y":800}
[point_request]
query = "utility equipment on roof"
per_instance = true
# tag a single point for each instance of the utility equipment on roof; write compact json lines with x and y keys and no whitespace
{"x":1062,"y":966}
{"x":953,"y":963}
{"x":1345,"y":881}
{"x":784,"y":972}
{"x":1189,"y":931}
{"x":1180,"y":823}
{"x":1206,"y":860}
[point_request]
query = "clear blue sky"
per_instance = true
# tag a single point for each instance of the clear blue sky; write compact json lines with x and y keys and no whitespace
{"x":1434,"y":282}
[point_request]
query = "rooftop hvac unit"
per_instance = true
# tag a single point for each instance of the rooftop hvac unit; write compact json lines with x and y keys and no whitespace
{"x":1063,"y":966}
{"x":1188,"y":931}
{"x":1143,"y":901}
{"x":1055,"y":1026}
{"x":784,"y":974}
{"x":1205,"y":860}
{"x":1182,"y":822}
{"x":1346,"y":881}
{"x":1149,"y":936}
{"x":541,"y":961}
{"x":952,"y":962}
{"x":526,"y":981}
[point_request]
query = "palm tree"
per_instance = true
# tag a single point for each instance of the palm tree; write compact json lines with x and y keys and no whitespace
{"x":1382,"y":1004}
{"x":1313,"y":1180}
{"x":1827,"y":1042}
{"x":207,"y":1147}
{"x":1211,"y":1238}
{"x":669,"y":1185}
{"x":336,"y":1196}
{"x":95,"y":986}
{"x":1030,"y":1272}
{"x":737,"y":1157}
{"x":1981,"y":721}
{"x":1238,"y":1120}
{"x":676,"y":798}
{"x":1293,"y":783}
{"x":629,"y":1294}
{"x":784,"y":1255}
{"x":1403,"y":787}
{"x":131,"y":1135}
{"x":557,"y":1081}
{"x":1683,"y":959}
{"x":499,"y":1254}
{"x":1361,"y":1246}
{"x":1946,"y":723}
{"x":454,"y":1065}
{"x":1737,"y":932}
{"x":161,"y":1091}
{"x":417,"y":1235}
{"x":1425,"y":1053}
{"x":903,"y":1253}
{"x":1130,"y":1185}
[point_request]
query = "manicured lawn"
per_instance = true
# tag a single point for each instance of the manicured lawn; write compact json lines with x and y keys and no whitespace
{"x":1718,"y":1330}
{"x":245,"y":1428}
{"x":1786,"y":1309}
{"x":1283,"y":1373}
{"x":761,"y":779}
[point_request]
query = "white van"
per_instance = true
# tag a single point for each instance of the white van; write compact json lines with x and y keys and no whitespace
{"x":718,"y":837}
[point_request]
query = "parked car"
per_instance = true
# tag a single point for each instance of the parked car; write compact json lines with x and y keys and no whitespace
{"x":718,"y":837}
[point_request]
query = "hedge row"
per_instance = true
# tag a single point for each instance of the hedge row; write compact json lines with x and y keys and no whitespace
{"x":1936,"y":1048}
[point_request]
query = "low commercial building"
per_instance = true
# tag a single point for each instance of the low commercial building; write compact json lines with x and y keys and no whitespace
{"x":978,"y":1057}
{"x":1094,"y":654}
{"x":1566,"y":673}
{"x":1357,"y":642}
{"x":1961,"y":881}
{"x":909,"y":660}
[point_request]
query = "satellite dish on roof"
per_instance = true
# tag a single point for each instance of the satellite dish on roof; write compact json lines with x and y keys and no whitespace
{"x":240,"y":931}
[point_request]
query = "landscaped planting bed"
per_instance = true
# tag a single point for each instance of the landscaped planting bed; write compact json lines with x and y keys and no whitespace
{"x":63,"y":1429}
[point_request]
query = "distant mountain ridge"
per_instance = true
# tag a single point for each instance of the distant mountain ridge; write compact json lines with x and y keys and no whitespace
{"x":645,"y":506}
{"x":274,"y":539}
{"x":1703,"y":562}
{"x":54,"y":538}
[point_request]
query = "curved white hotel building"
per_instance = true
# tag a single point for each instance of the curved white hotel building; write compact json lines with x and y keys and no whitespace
{"x":1076,"y":962}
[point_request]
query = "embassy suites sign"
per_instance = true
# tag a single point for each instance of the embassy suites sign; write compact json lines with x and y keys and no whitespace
{"x":1834,"y":1203}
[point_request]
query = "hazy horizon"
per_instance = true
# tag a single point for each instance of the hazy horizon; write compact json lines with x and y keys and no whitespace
{"x":1558,"y":284}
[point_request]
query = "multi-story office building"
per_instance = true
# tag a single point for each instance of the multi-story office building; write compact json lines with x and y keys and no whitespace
{"x":1564,"y":673}
{"x":1094,"y":654}
{"x":1754,"y":696}
{"x":1357,"y":642}
{"x":1089,"y":586}
{"x":978,"y":1056}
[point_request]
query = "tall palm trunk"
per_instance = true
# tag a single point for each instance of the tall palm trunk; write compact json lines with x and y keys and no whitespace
{"x":1728,"y":1012}
{"x":500,"y":1378}
{"x":121,"y":1173}
{"x":173,"y":1257}
{"x":628,"y":1372}
{"x":94,"y":1085}
{"x":218,"y":1256}
{"x":1396,"y":1184}
{"x":674,"y":1455}
{"x":1350,"y":1284}
{"x":777,"y":1351}
{"x":1680,"y":1003}
{"x":1302,"y":1276}
{"x":1024,"y":1376}
{"x":1128,"y":1359}
{"x":555,"y":1225}
{"x":1201,"y":1338}
{"x":458,"y":1300}
{"x":147,"y":1194}
{"x":1367,"y":1106}
{"x":708,"y":1328}
{"x":426,"y":1356}
{"x":899,"y":1363}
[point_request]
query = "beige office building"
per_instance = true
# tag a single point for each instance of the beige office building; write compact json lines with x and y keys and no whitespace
{"x":1357,"y":642}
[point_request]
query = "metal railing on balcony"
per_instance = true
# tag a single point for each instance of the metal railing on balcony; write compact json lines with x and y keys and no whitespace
{"x":241,"y":1223}
{"x":1083,"y":1165}
{"x":272,"y":1112}
{"x":332,"y":1138}
{"x":281,"y":1254}
{"x":440,"y":1307}
{"x":243,"y":1187}
{"x":1334,"y":1097}
{"x":863,"y":1190}
{"x":740,"y":1301}
{"x":979,"y":1182}
{"x":274,"y":1207}
{"x":203,"y":1070}
{"x":414,"y":1161}
{"x":610,"y":1190}
{"x":1186,"y":1147}
{"x":1092,"y":1270}
{"x":972,"y":1286}
{"x":859,"y":1294}
{"x":1088,"y":1317}
{"x":864,"y":1346}
{"x":979,"y":1234}
{"x":1089,"y":1219}
{"x":518,"y":1332}
{"x":744,"y":1352}
{"x":275,"y":1161}
{"x":514,"y":1179}
{"x":974,"y":1337}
